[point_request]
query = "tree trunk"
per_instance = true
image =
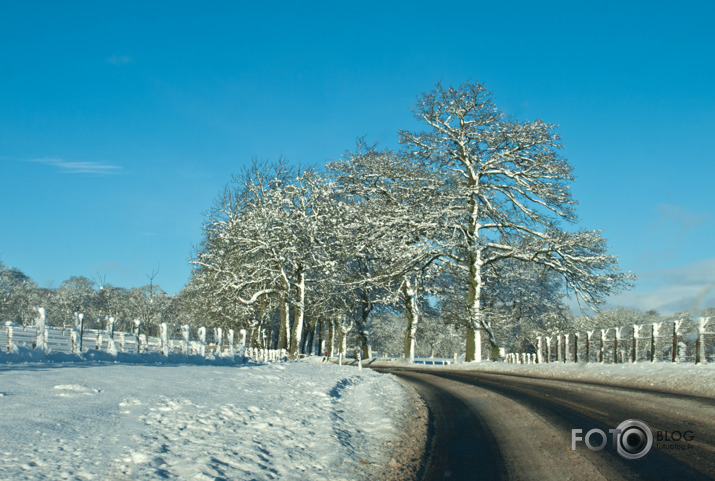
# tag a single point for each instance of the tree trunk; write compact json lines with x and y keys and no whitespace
{"x":309,"y":338}
{"x":319,"y":338}
{"x":474,"y":292}
{"x":575,"y":347}
{"x":474,"y":345}
{"x":365,"y":324}
{"x":342,"y":340}
{"x":409,"y":296}
{"x":297,"y":332}
{"x":284,"y":335}
{"x":331,"y":338}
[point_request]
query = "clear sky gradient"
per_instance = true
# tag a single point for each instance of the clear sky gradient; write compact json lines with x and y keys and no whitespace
{"x":120,"y":122}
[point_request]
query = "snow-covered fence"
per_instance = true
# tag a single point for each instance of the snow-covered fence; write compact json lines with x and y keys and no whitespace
{"x":682,"y":340}
{"x":11,"y":347}
{"x":259,"y":354}
{"x":172,"y":339}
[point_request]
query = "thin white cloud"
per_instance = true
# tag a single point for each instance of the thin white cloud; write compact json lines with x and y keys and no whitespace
{"x":69,"y":167}
{"x":666,"y":301}
{"x":685,"y":288}
{"x":671,"y":215}
{"x":119,"y":59}
{"x":673,"y":225}
{"x":701,"y":272}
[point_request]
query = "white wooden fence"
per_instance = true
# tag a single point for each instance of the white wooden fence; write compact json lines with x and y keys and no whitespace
{"x":684,"y":340}
{"x":172,"y":339}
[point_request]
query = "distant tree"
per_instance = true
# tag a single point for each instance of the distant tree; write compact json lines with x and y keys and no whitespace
{"x":19,"y":295}
{"x":615,"y":317}
{"x":438,"y":337}
{"x":523,"y":299}
{"x":386,"y":326}
{"x":150,"y":305}
{"x":77,"y":294}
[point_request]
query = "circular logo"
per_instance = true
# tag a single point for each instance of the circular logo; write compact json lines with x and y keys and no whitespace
{"x":634,"y":439}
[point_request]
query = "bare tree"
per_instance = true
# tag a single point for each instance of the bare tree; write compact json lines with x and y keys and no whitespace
{"x":508,"y":191}
{"x":390,"y":237}
{"x":267,"y":237}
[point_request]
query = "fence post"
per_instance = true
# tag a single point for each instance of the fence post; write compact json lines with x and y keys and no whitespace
{"x":219,"y":340}
{"x":700,"y":355}
{"x":567,"y":350}
{"x":548,"y":348}
{"x":559,"y":346}
{"x":602,"y":345}
{"x":676,"y":328}
{"x":164,"y":338}
{"x":242,"y":343}
{"x":40,"y":329}
{"x":589,"y":336}
{"x":202,"y":341}
{"x":634,"y":344}
{"x":576,"y":337}
{"x":77,"y":333}
{"x":10,"y":345}
{"x":111,"y":345}
{"x":137,"y":333}
{"x":98,"y":343}
{"x":185,"y":337}
{"x":539,"y":350}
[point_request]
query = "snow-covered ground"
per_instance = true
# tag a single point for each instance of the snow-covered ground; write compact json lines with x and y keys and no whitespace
{"x":679,"y":378}
{"x":122,"y":421}
{"x":189,"y":418}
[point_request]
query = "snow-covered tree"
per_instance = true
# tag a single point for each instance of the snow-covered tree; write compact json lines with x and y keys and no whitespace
{"x":19,"y":295}
{"x":76,"y":294}
{"x":267,"y":237}
{"x":390,"y":239}
{"x":508,"y":194}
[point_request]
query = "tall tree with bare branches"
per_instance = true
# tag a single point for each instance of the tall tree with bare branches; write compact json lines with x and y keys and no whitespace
{"x":508,"y":196}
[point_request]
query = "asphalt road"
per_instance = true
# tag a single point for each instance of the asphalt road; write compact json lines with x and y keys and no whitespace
{"x":490,"y":426}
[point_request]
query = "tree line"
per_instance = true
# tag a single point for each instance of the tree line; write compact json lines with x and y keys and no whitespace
{"x":95,"y":298}
{"x":463,"y":237}
{"x":472,"y":218}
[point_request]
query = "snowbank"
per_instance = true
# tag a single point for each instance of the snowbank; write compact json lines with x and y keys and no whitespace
{"x":94,"y":420}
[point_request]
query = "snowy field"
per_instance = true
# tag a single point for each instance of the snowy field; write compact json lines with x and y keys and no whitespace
{"x":121,"y":421}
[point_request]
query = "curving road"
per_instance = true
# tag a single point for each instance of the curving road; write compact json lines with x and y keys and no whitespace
{"x":502,"y":426}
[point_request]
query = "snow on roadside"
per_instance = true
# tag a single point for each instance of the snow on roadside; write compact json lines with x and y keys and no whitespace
{"x":295,"y":420}
{"x":679,"y":378}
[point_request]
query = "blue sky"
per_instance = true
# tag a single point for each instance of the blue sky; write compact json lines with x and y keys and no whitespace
{"x":120,"y":122}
